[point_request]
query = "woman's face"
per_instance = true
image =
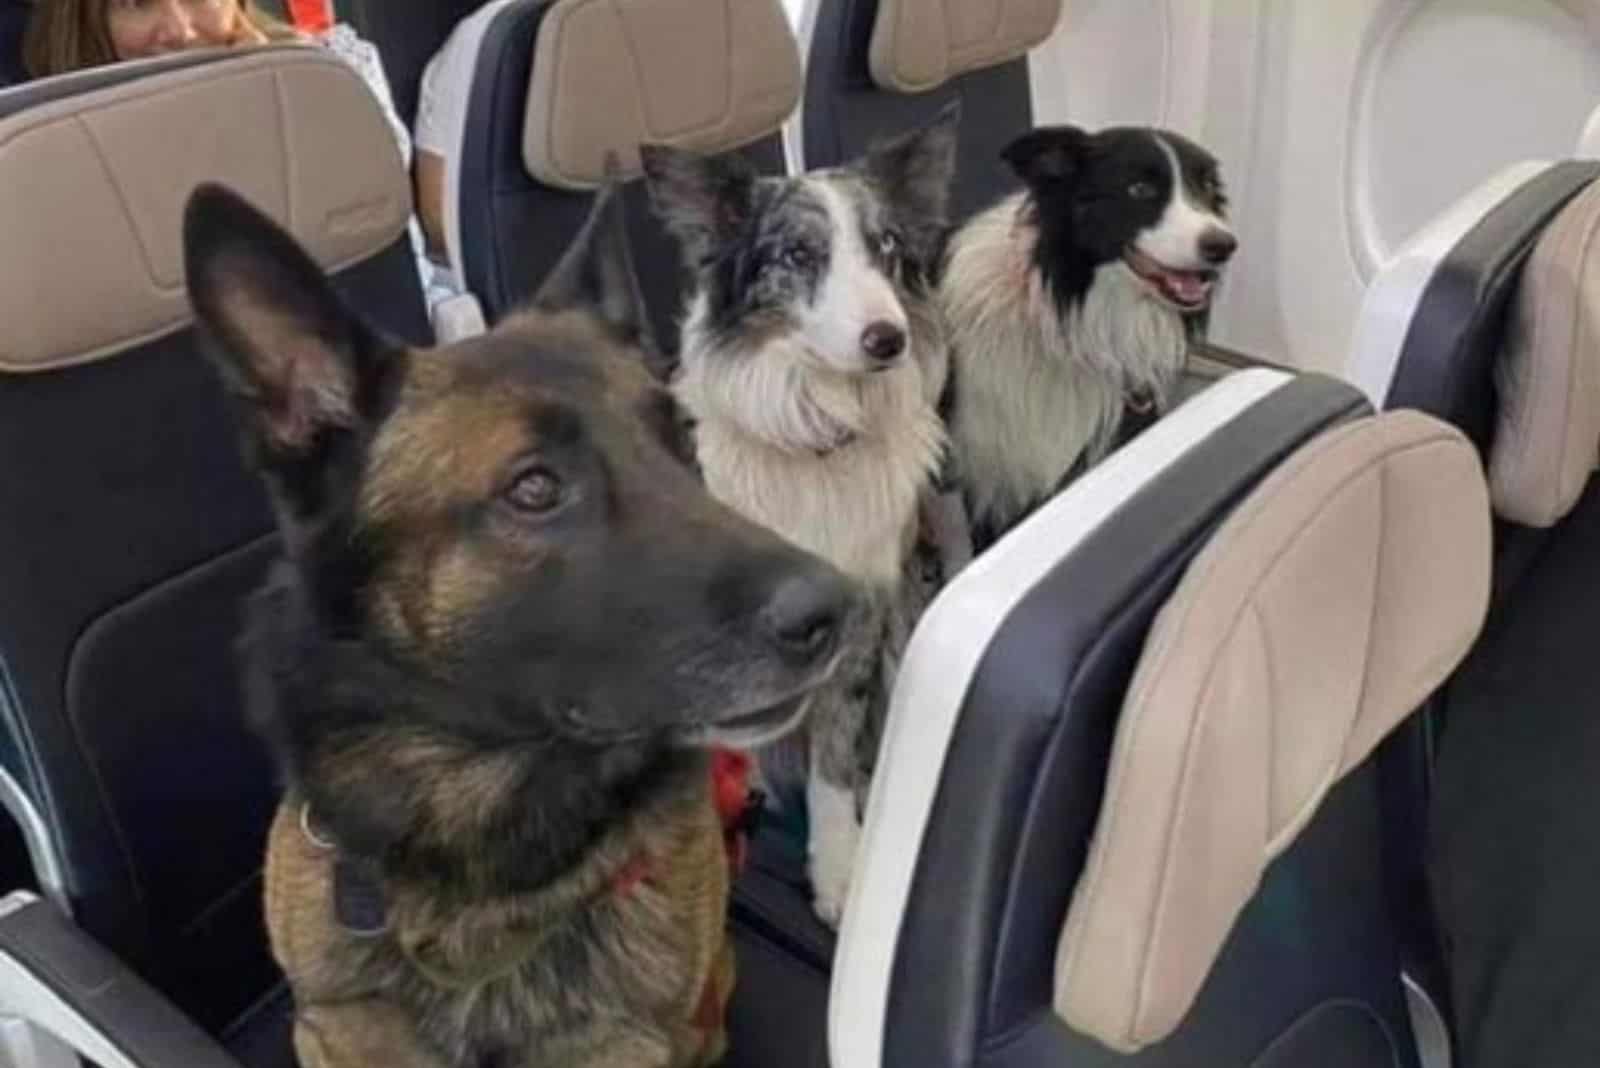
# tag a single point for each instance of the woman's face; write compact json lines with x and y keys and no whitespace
{"x":143,"y":28}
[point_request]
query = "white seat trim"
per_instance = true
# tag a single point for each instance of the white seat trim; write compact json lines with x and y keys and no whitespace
{"x":794,"y":128}
{"x":1391,"y":299}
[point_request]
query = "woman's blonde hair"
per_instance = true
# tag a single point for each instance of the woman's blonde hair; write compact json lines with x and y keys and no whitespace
{"x":68,"y":35}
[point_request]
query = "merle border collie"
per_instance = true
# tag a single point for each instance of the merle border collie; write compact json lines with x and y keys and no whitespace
{"x":1072,"y":303}
{"x":812,"y":362}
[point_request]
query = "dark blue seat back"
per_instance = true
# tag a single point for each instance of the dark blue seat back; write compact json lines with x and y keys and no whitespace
{"x":846,"y":110}
{"x":14,"y":15}
{"x":514,"y":227}
{"x":1513,"y":743}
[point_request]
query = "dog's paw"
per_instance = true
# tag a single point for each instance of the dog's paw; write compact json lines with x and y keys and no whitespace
{"x":832,"y":858}
{"x":835,"y":837}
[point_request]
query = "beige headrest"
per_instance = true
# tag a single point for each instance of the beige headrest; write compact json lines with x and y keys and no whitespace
{"x":1547,"y":434}
{"x":1326,"y":609}
{"x":91,"y":254}
{"x":705,"y":75}
{"x":918,"y":45}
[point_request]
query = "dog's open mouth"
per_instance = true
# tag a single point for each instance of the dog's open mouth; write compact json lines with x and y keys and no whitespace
{"x":748,"y":731}
{"x":1187,"y":291}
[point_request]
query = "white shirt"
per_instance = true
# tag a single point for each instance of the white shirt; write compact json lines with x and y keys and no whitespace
{"x":445,"y":92}
{"x":362,"y":56}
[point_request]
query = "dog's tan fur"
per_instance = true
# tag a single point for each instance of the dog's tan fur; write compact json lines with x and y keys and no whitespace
{"x":656,"y":949}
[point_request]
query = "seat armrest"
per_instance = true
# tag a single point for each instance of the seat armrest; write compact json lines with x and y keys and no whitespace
{"x":60,"y":981}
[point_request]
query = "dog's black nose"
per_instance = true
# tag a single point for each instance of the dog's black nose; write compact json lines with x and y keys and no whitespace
{"x":1217,"y":247}
{"x":805,"y":614}
{"x":883,"y":341}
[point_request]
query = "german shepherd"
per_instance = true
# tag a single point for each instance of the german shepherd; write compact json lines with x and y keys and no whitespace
{"x":506,"y":628}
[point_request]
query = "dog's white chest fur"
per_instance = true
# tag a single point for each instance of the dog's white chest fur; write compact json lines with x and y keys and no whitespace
{"x":1036,"y":389}
{"x":835,"y":463}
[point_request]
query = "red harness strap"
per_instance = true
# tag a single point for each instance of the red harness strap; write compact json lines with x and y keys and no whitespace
{"x":730,"y":790}
{"x":730,"y":793}
{"x":730,"y":787}
{"x":311,"y":16}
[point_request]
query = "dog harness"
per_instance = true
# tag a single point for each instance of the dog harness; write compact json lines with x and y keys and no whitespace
{"x":361,"y":909}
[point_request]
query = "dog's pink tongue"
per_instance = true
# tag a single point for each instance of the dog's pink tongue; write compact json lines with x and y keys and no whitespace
{"x":1189,"y":288}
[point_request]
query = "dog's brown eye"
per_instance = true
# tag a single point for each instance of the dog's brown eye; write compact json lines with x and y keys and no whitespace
{"x":535,"y":491}
{"x":1142,"y":191}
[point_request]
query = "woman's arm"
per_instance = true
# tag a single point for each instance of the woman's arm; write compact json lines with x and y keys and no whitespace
{"x":430,"y":169}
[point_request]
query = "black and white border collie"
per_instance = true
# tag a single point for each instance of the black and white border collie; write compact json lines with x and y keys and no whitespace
{"x":1072,"y":302}
{"x":812,"y":362}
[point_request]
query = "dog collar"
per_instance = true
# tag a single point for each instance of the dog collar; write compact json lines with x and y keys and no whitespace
{"x":1138,"y":412}
{"x":361,"y":907}
{"x":738,"y":806}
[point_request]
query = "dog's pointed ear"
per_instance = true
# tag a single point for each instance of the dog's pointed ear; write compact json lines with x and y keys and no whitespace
{"x":1049,"y":155}
{"x":596,"y":273}
{"x":303,"y":366}
{"x":702,"y":200}
{"x":916,"y":168}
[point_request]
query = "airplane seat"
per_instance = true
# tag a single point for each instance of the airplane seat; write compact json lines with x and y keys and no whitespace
{"x":1433,"y":328}
{"x":1427,"y":337}
{"x":1489,"y":320}
{"x":133,"y":530}
{"x":877,"y":67}
{"x":709,"y":76}
{"x":14,"y":15}
{"x":1127,"y":809}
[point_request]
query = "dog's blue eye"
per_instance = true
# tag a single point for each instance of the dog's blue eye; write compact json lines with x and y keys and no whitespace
{"x":889,"y":245}
{"x":536,"y":491}
{"x":1143,"y":191}
{"x":796,"y":258}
